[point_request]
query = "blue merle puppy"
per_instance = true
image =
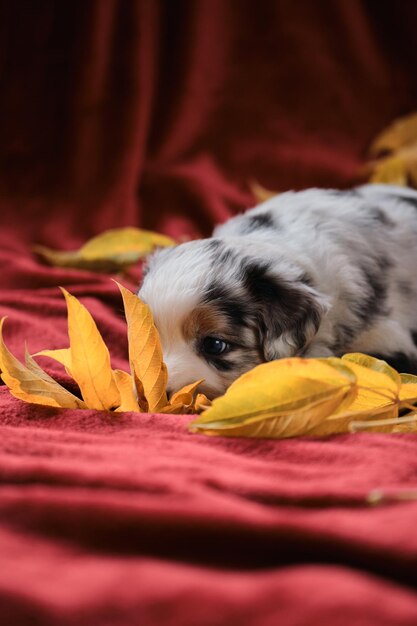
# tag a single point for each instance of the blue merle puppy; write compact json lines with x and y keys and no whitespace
{"x":311,"y":273}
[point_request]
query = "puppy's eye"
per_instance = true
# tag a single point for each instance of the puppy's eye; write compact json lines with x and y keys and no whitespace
{"x":214,"y":346}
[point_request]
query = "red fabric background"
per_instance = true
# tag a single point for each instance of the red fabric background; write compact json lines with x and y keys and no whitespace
{"x":157,"y":114}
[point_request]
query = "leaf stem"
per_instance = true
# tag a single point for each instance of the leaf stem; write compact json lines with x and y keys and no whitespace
{"x":408,"y":419}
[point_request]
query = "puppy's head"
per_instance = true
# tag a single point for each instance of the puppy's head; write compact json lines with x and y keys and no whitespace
{"x":221,"y":308}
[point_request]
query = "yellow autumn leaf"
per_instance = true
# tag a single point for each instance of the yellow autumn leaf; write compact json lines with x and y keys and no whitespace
{"x":30,"y":383}
{"x":125,"y":385}
{"x":186,"y":392}
{"x":185,"y":395}
{"x":275,"y":423}
{"x":331,"y":371}
{"x":385,"y":419}
{"x":111,"y":251}
{"x":400,"y":133}
{"x":408,"y":389}
{"x":201,"y":403}
{"x":282,"y":398}
{"x":174,"y":409}
{"x":378,"y":395}
{"x":62,"y":356}
{"x":374,"y":401}
{"x":373,"y":364}
{"x":145,"y":353}
{"x":183,"y":400}
{"x":395,"y":154}
{"x":378,"y":383}
{"x":87,"y":360}
{"x":90,"y":358}
{"x":390,"y":171}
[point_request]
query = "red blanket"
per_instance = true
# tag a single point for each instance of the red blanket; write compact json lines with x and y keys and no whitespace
{"x":158,"y":114}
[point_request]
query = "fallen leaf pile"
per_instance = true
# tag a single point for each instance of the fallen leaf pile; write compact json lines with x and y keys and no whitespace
{"x":293,"y":397}
{"x":394,"y":153}
{"x":112,"y":251}
{"x":284,"y":398}
{"x":87,"y":361}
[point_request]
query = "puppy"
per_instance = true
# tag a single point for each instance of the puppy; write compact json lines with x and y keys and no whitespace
{"x":312,"y":273}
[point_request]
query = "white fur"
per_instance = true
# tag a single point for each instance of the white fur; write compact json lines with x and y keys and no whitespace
{"x":328,"y":236}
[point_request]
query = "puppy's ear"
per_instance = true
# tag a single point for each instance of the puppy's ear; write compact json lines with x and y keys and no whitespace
{"x":288,"y":313}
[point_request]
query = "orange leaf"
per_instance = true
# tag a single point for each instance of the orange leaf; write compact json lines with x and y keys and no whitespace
{"x":145,"y":353}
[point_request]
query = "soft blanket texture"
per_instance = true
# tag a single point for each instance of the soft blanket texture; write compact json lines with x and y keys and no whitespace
{"x":157,"y":114}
